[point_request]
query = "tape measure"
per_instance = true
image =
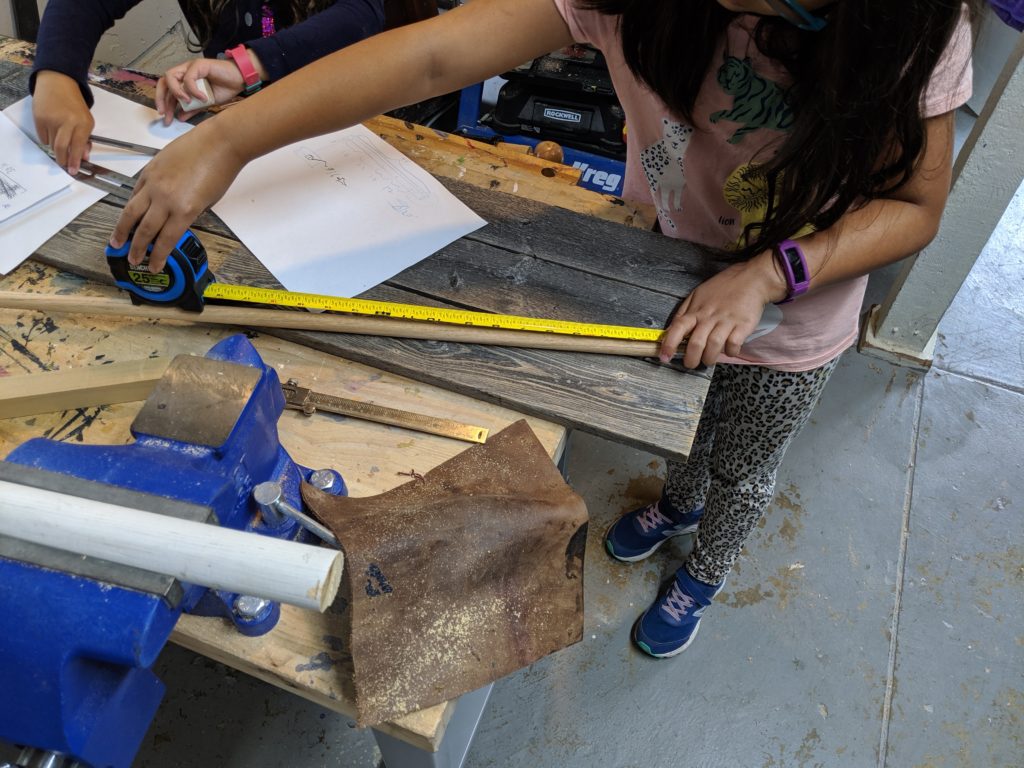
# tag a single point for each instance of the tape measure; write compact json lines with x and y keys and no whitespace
{"x":187,"y":282}
{"x":181,"y":283}
{"x":244,"y":293}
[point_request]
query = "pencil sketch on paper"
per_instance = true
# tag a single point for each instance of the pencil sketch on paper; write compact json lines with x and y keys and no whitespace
{"x":19,"y":189}
{"x":401,"y":190}
{"x":9,"y":186}
{"x":27,"y":175}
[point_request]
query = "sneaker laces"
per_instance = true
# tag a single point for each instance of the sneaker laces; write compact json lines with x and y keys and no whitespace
{"x":652,"y":517}
{"x":677,"y":603}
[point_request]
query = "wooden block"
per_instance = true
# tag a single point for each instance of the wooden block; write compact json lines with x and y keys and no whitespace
{"x":71,"y":388}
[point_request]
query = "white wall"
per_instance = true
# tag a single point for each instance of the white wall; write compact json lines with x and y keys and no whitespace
{"x":144,"y":25}
{"x":6,"y":18}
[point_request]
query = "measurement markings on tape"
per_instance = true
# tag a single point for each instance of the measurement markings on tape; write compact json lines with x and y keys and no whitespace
{"x":244,"y":293}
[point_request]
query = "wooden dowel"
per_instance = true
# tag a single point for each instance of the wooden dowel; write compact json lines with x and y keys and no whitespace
{"x":89,"y":385}
{"x":197,"y":553}
{"x":332,"y":323}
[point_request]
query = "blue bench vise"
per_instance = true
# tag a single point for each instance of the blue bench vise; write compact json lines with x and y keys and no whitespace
{"x":78,"y":635}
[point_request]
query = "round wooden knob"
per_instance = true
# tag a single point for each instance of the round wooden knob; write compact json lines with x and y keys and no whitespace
{"x":548,"y":150}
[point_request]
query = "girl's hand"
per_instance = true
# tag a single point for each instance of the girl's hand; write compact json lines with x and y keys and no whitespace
{"x":189,"y":175}
{"x":62,"y":118}
{"x":179,"y":83}
{"x":723,"y":311}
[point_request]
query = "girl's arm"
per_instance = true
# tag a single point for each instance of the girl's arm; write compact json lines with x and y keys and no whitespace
{"x":722,"y":311}
{"x":395,"y":68}
{"x":68,"y":35}
{"x":341,"y":24}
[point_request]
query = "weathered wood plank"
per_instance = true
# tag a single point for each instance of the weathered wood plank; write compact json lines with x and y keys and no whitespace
{"x":583,"y":242}
{"x":79,"y":249}
{"x":642,"y":404}
{"x":477,"y":275}
{"x":506,"y":168}
{"x":636,"y":402}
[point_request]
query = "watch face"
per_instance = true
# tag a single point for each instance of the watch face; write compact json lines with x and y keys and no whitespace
{"x":796,"y":264}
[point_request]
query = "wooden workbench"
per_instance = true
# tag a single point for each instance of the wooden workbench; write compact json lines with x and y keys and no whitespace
{"x":551,"y":249}
{"x":531,"y":259}
{"x":303,"y":653}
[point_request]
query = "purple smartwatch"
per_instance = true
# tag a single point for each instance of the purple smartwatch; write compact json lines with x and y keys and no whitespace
{"x":794,"y":268}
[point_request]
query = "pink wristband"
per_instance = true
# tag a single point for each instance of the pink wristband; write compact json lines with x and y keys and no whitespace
{"x":250,"y":76}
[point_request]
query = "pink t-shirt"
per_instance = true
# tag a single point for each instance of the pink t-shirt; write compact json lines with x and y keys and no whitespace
{"x":695,"y":177}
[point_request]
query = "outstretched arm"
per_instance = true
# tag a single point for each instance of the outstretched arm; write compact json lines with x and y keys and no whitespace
{"x":723,"y":310}
{"x":395,"y":68}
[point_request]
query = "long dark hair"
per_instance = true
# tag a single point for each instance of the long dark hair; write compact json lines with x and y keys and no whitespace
{"x":204,"y":15}
{"x":858,"y":131}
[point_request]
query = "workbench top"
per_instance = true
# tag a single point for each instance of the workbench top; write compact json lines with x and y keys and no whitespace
{"x":532,"y":259}
{"x":303,"y":653}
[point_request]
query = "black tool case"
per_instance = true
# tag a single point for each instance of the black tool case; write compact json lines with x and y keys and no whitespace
{"x":566,"y":96}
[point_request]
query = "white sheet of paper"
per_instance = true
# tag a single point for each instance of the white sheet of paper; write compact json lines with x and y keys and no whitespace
{"x":27,"y":174}
{"x":341,"y":213}
{"x":117,"y":118}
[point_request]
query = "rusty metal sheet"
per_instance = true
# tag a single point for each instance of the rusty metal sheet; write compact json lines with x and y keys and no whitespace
{"x":459,"y":577}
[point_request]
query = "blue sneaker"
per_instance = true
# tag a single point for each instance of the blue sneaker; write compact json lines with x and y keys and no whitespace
{"x":637,"y":534}
{"x":671,"y":623}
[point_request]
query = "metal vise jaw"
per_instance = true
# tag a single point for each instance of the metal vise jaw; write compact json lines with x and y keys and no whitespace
{"x":78,"y":635}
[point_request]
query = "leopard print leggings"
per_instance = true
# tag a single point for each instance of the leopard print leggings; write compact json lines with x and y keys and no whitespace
{"x":749,"y":419}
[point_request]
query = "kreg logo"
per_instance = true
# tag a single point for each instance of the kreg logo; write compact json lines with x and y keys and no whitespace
{"x":562,"y":114}
{"x":609,"y":182}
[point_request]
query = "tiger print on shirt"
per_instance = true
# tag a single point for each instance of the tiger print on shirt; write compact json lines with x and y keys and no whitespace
{"x":757,"y":102}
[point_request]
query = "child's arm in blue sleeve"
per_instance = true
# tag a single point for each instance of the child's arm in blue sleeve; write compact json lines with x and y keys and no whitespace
{"x":69,"y":32}
{"x":344,"y":23}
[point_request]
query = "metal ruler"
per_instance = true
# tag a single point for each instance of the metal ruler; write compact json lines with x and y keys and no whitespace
{"x":313,"y":301}
{"x":307,"y":401}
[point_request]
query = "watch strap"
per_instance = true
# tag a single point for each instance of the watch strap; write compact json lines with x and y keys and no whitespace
{"x":793,"y":263}
{"x":251,"y":78}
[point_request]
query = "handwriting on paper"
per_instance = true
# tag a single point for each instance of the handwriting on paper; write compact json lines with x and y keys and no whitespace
{"x":315,"y":161}
{"x":402,"y":189}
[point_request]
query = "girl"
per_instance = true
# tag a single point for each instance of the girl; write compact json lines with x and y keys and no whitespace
{"x":812,"y":138}
{"x":247,"y":43}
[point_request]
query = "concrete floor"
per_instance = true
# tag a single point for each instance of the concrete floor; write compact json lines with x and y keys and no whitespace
{"x":874,"y":620}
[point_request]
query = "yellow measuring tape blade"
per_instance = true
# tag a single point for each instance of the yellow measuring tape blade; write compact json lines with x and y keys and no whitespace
{"x":315,"y":301}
